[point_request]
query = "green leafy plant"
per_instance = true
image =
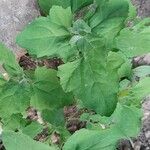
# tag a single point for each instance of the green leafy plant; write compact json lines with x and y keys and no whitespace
{"x":96,"y":45}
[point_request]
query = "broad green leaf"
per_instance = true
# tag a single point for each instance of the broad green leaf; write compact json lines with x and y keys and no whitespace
{"x":126,"y":69}
{"x":47,"y":90}
{"x":124,"y":123}
{"x":96,"y":120}
{"x":20,"y":141}
{"x":108,"y":10}
{"x":15,"y":122}
{"x":109,"y":29}
{"x":45,"y":5}
{"x":43,"y":37}
{"x":134,"y":95}
{"x":54,"y":116}
{"x":92,"y":140}
{"x":142,"y":71}
{"x":89,"y":11}
{"x":33,"y":129}
{"x":60,"y":16}
{"x":70,"y":77}
{"x":80,"y":27}
{"x":78,"y":4}
{"x":141,"y":24}
{"x":14,"y":98}
{"x":134,"y":41}
{"x":40,"y":34}
{"x":124,"y":84}
{"x":90,"y":77}
{"x":9,"y":62}
{"x":118,"y":119}
{"x":127,"y":120}
{"x":142,"y":89}
{"x":109,"y":19}
{"x":132,"y":10}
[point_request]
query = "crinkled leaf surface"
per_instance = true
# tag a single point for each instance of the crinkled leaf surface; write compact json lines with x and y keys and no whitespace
{"x":142,"y":89}
{"x":54,"y":116}
{"x":141,"y":24}
{"x":14,"y":122}
{"x":142,"y":71}
{"x":135,"y":94}
{"x":123,"y":118}
{"x":124,"y":84}
{"x":14,"y":98}
{"x":109,"y":19}
{"x":134,"y":41}
{"x":108,"y":10}
{"x":78,"y":4}
{"x":60,"y":16}
{"x":109,"y":29}
{"x":45,"y":5}
{"x":93,"y":78}
{"x":80,"y":27}
{"x":48,"y":36}
{"x":48,"y":92}
{"x":92,"y":140}
{"x":8,"y":60}
{"x":132,"y":10}
{"x":20,"y":141}
{"x":126,"y":69}
{"x":32,"y":129}
{"x":122,"y":127}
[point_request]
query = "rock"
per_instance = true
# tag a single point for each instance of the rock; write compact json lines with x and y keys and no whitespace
{"x":141,"y":60}
{"x":143,"y":7}
{"x":14,"y":16}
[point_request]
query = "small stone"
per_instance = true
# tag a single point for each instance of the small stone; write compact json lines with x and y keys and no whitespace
{"x":55,"y":138}
{"x":147,"y":134}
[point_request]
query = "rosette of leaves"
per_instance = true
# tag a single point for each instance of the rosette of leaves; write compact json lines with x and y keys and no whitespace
{"x":96,"y":49}
{"x":84,"y":46}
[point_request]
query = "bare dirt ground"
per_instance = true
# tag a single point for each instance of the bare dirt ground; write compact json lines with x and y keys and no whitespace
{"x":143,"y":7}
